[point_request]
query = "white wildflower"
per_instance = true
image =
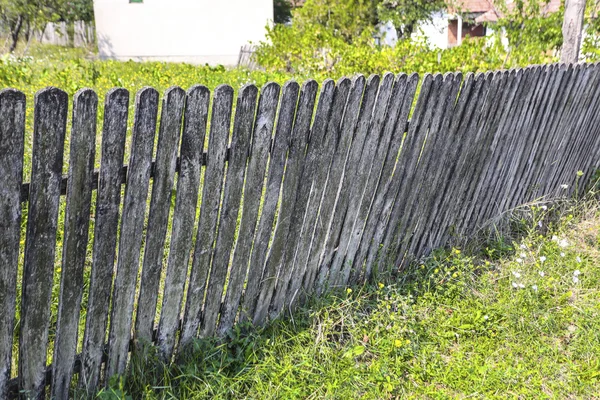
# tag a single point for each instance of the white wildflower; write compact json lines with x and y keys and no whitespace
{"x":542,"y":273}
{"x":535,"y":288}
{"x":554,"y":238}
{"x":563,"y":243}
{"x":578,"y":259}
{"x":519,"y":260}
{"x":523,"y":255}
{"x":576,"y":272}
{"x":523,"y":247}
{"x":544,"y":208}
{"x":564,"y":186}
{"x":521,"y":286}
{"x":575,"y":279}
{"x":516,"y":274}
{"x":540,"y":224}
{"x":514,"y":285}
{"x":485,"y":317}
{"x":562,"y":254}
{"x":542,"y":259}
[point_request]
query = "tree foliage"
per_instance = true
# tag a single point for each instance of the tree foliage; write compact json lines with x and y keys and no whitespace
{"x":282,"y":11}
{"x":347,"y":19}
{"x":25,"y":16}
{"x":405,"y":15}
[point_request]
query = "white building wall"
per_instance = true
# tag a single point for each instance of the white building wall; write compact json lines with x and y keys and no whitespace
{"x":435,"y":31}
{"x":195,"y":31}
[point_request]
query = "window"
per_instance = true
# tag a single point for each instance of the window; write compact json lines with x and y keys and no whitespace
{"x":136,"y":1}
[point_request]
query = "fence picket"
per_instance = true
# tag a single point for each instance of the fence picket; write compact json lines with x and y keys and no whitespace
{"x":77,"y":222}
{"x":108,"y":199}
{"x":192,"y":143}
{"x":332,"y":212}
{"x":383,"y":164}
{"x":160,"y":204}
{"x":293,"y":171}
{"x":51,"y":107}
{"x":236,"y":169}
{"x":132,"y":223}
{"x":259,"y":152}
{"x":327,"y":195}
{"x":209,"y":211}
{"x":347,"y":94}
{"x":320,"y":170}
{"x":278,"y":157}
{"x":12,"y":133}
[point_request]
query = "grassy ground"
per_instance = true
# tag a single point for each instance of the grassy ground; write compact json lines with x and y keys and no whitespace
{"x":514,"y":319}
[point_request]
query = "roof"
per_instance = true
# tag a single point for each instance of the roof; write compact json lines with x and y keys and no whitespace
{"x":487,"y":10}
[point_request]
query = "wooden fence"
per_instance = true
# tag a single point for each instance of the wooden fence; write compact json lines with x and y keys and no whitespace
{"x":302,"y":194}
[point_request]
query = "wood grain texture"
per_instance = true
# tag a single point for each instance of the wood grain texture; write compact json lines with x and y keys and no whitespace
{"x":253,"y":188}
{"x":381,"y":171}
{"x":12,"y":133}
{"x":319,"y":147}
{"x":321,"y":166}
{"x":192,"y":143}
{"x":50,"y":119}
{"x":332,"y":212}
{"x":160,"y":205}
{"x":114,"y":132}
{"x":234,"y":183}
{"x":411,"y":148}
{"x":293,"y":172}
{"x":132,"y":224}
{"x":278,"y":157}
{"x":209,"y":210}
{"x":75,"y":239}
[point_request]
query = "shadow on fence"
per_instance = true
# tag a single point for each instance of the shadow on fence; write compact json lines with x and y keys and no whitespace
{"x":302,"y":194}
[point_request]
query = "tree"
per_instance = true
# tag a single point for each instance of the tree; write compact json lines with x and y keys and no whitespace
{"x":532,"y":30}
{"x":30,"y":15}
{"x":405,"y":15}
{"x":572,"y":30}
{"x":282,"y":11}
{"x":348,"y":19}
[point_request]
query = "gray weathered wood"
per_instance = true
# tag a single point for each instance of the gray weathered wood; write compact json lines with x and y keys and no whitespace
{"x":209,"y":210}
{"x":132,"y":224}
{"x":160,"y":205}
{"x":441,"y":85}
{"x":293,"y":171}
{"x":278,"y":156}
{"x":457,"y":135}
{"x":326,"y":215}
{"x":50,"y":119}
{"x":321,"y":170}
{"x":114,"y":132}
{"x":441,"y":144}
{"x":255,"y":177}
{"x":332,"y":137}
{"x":75,"y":239}
{"x":12,"y":132}
{"x":332,"y":212}
{"x":236,"y":168}
{"x":377,"y":219}
{"x":317,"y":143}
{"x":457,"y":181}
{"x":188,"y":182}
{"x":381,"y":170}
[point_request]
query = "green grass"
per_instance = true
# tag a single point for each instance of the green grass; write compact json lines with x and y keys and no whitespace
{"x":453,"y":326}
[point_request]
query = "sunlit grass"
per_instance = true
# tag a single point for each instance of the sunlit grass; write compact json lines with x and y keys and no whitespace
{"x":513,"y":318}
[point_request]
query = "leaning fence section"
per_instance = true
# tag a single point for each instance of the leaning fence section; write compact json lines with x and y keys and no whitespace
{"x":300,"y":189}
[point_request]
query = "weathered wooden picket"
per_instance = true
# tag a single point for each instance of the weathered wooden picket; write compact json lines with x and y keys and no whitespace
{"x":304,"y":193}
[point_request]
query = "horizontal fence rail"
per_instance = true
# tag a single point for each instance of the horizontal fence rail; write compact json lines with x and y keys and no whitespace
{"x":278,"y":194}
